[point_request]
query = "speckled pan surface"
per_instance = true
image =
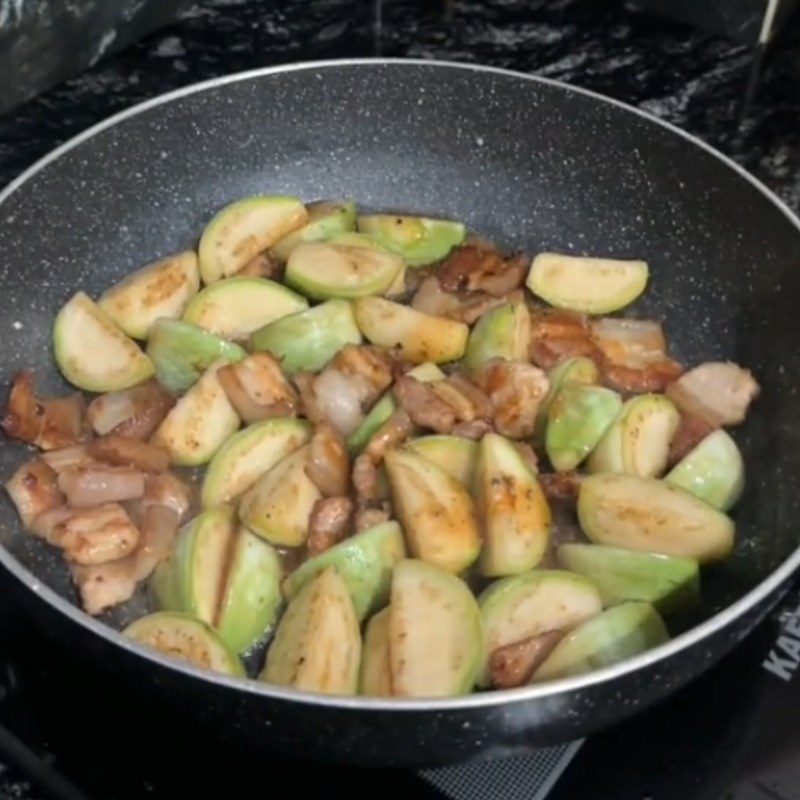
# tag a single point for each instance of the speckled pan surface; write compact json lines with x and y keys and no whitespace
{"x":533,"y":164}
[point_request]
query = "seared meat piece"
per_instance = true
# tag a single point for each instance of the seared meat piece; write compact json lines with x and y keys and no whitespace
{"x":467,"y":307}
{"x":121,"y":451}
{"x":655,"y":377}
{"x":134,"y":413}
{"x":515,"y":389}
{"x":64,"y":423}
{"x":561,"y":486}
{"x":423,"y":406}
{"x":102,"y":586}
{"x":369,"y":517}
{"x":73,"y":457}
{"x":466,"y":399}
{"x":165,"y":503}
{"x":475,"y":429}
{"x":557,"y":335}
{"x":445,"y":404}
{"x":95,"y":485}
{"x":258,"y":389}
{"x":476,"y":304}
{"x":169,"y":491}
{"x":514,"y":664}
{"x":430,"y":298}
{"x":341,"y":399}
{"x":477,"y":269}
{"x":261,"y":266}
{"x":328,"y":461}
{"x":629,"y":342}
{"x":391,"y":434}
{"x":89,"y":535}
{"x":348,"y":387}
{"x":24,"y":412}
{"x":371,"y":365}
{"x":34,"y":490}
{"x":691,"y":431}
{"x":330,"y":522}
{"x":309,"y":408}
{"x":365,"y":479}
{"x":632,"y":355}
{"x":50,"y":424}
{"x":718,"y":392}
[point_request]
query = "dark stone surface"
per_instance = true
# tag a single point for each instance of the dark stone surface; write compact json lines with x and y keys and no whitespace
{"x":691,"y":78}
{"x":741,"y":19}
{"x":44,"y":41}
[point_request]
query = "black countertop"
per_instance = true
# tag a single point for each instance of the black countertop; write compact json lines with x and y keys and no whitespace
{"x":693,"y":79}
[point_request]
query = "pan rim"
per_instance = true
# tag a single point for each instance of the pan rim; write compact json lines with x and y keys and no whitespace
{"x":694,"y":636}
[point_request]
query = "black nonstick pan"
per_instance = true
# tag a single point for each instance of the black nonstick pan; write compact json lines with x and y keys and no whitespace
{"x":532,"y":164}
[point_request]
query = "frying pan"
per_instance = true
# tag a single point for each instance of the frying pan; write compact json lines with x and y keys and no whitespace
{"x":530,"y":163}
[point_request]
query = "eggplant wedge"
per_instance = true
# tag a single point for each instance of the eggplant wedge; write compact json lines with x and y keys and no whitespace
{"x":435,"y":634}
{"x":577,"y":418}
{"x":157,"y":291}
{"x":502,"y":332}
{"x":364,"y":562}
{"x":278,"y":506}
{"x":183,"y":637}
{"x":670,"y":583}
{"x":637,"y":443}
{"x":613,"y":636}
{"x":235,"y":307}
{"x":514,"y":514}
{"x":326,"y":219}
{"x":435,"y":510}
{"x":456,"y":456}
{"x":419,"y":240}
{"x":309,"y":339}
{"x":376,"y":669}
{"x":713,"y":471}
{"x":420,"y":337}
{"x":92,"y":352}
{"x":249,"y":454}
{"x":317,"y":646}
{"x":588,"y":285}
{"x":652,"y":516}
{"x":523,"y":606}
{"x":242,"y":230}
{"x":199,"y":423}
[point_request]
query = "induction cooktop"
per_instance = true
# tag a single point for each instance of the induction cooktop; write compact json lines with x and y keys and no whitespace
{"x":69,"y":732}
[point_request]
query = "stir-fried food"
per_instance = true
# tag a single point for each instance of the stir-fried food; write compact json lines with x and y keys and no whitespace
{"x":426,"y":465}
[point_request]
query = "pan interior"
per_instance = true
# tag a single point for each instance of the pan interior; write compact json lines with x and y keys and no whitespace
{"x":531,"y":165}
